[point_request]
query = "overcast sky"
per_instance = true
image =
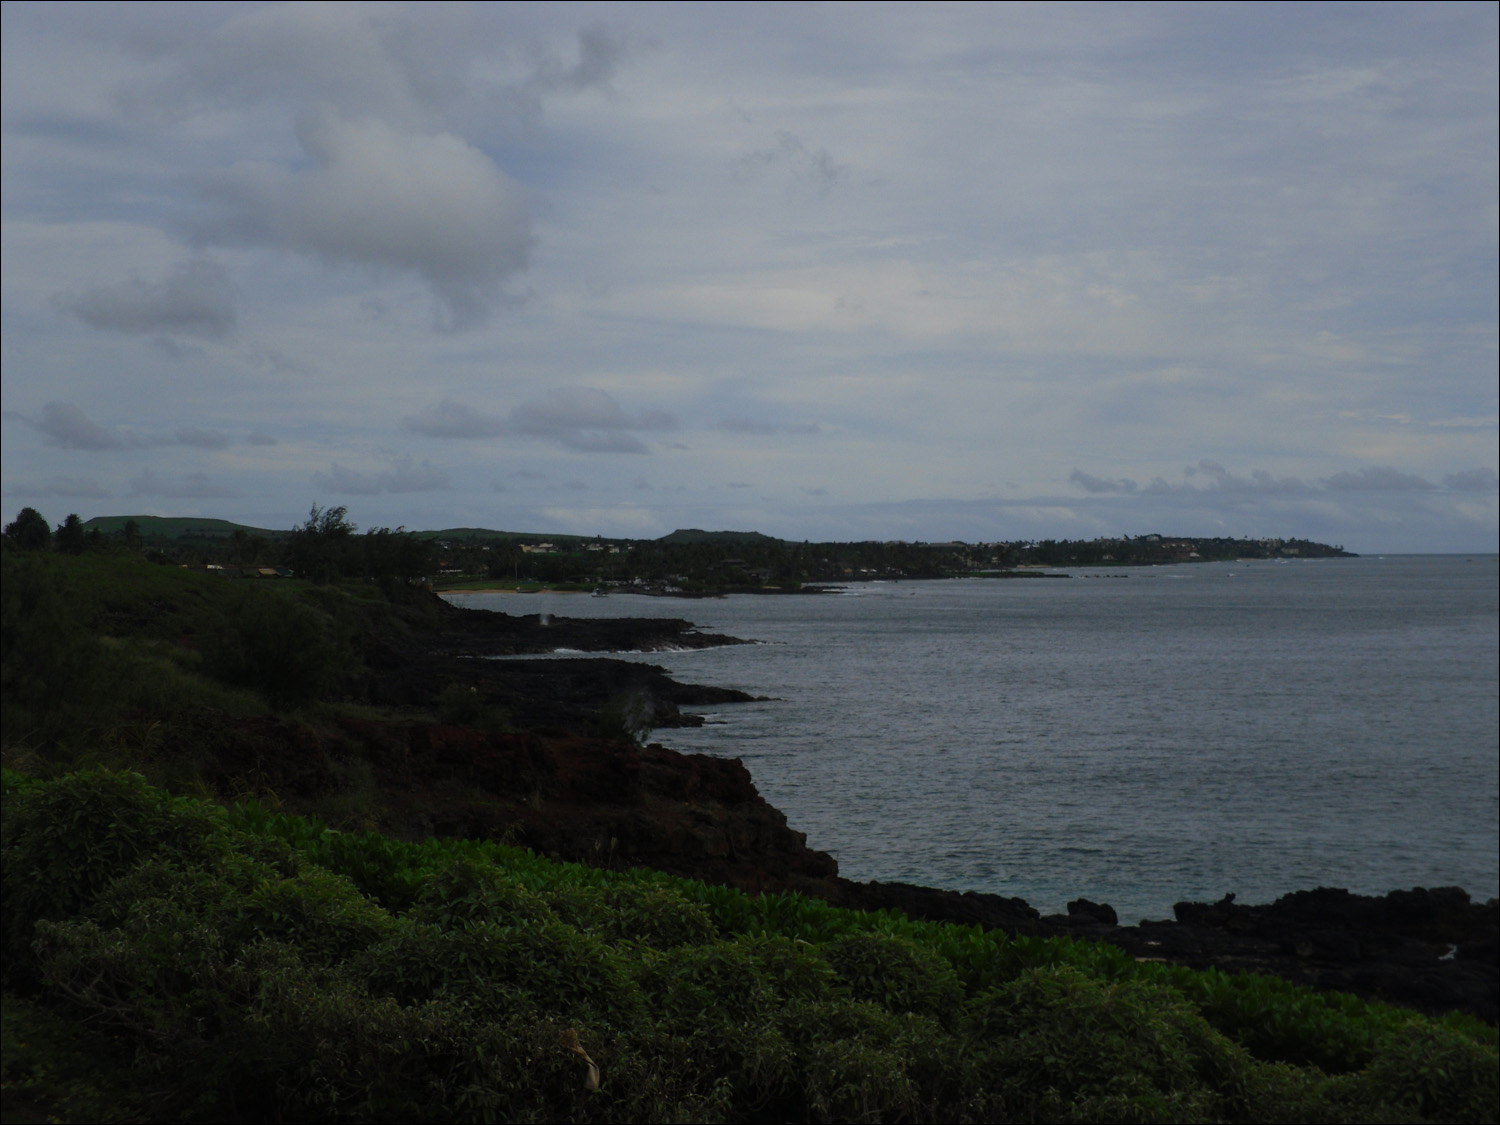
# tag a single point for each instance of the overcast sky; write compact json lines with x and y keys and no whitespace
{"x":826,"y":272}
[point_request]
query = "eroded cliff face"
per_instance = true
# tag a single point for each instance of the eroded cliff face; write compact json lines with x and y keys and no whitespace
{"x":606,"y":802}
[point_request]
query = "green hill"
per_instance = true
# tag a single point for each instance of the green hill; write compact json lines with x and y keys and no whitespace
{"x":696,"y":535}
{"x":176,"y":527}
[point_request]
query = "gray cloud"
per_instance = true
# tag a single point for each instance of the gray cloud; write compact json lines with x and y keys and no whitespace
{"x":816,"y":170}
{"x":202,"y":439}
{"x":1259,"y":482}
{"x":754,"y":427}
{"x":415,"y":68}
{"x":1216,"y":479}
{"x":171,"y":348}
{"x":577,"y":418}
{"x":1090,"y":483}
{"x":449,"y":419}
{"x":82,"y":488}
{"x":600,"y":52}
{"x":258,"y":437}
{"x":383,"y":198}
{"x":587,"y":420}
{"x":67,"y":426}
{"x":1473,"y":480}
{"x":403,"y":476}
{"x":197,"y":299}
{"x":1378,"y":479}
{"x":192,"y":486}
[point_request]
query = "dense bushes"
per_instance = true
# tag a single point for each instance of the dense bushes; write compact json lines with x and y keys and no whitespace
{"x":261,"y":966}
{"x":275,"y":645}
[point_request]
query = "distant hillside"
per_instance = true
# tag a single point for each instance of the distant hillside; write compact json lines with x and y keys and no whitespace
{"x":695,"y":535}
{"x":176,"y":527}
{"x":459,"y":534}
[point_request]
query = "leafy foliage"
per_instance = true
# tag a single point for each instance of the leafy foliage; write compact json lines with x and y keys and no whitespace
{"x":263,"y":966}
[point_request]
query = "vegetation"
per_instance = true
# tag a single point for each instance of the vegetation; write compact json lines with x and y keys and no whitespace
{"x":259,"y":966}
{"x":326,"y":548}
{"x":208,"y":955}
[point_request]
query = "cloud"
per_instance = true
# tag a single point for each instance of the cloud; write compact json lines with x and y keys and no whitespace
{"x":1259,"y":482}
{"x":600,"y":52}
{"x":1378,"y":479}
{"x":1090,"y":483}
{"x":386,"y":199}
{"x":446,"y":64}
{"x":66,"y":426}
{"x":192,"y":486}
{"x":403,"y":476}
{"x":202,"y":439}
{"x":577,"y":418}
{"x":196,"y":300}
{"x":82,"y":488}
{"x":1473,"y":480}
{"x":816,"y":170}
{"x":449,"y":419}
{"x":757,"y":428}
{"x":258,"y":437}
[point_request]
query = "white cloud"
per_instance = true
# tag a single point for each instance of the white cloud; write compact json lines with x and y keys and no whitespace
{"x":386,"y":199}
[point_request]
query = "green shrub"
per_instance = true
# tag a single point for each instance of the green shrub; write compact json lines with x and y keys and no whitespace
{"x":474,"y":893}
{"x":896,"y":973}
{"x":244,"y":962}
{"x":63,"y":841}
{"x":1065,"y":1046}
{"x":654,"y":916}
{"x":1432,"y":1072}
{"x":274,"y":644}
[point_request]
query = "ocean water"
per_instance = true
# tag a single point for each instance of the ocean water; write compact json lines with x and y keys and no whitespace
{"x":1136,"y":737}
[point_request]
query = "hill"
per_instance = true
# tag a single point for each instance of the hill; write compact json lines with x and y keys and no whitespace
{"x":176,"y":527}
{"x":695,"y":535}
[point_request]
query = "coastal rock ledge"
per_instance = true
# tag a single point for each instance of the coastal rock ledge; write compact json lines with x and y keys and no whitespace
{"x":610,"y":803}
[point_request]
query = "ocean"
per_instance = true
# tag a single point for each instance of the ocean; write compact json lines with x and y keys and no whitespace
{"x":1135,"y":736}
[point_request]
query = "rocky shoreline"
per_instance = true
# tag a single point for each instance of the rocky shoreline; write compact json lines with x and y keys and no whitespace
{"x":549,"y":778}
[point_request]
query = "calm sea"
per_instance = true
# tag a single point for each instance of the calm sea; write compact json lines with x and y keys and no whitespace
{"x":1135,"y":737}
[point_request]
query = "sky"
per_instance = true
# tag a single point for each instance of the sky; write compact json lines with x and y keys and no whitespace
{"x":918,"y":272}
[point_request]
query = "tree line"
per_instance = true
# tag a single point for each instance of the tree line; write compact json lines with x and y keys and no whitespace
{"x":324,"y":548}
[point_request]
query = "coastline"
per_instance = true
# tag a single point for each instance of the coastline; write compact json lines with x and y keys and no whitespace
{"x":551,"y":782}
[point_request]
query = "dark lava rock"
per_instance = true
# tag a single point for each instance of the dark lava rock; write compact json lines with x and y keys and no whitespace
{"x":1406,"y":947}
{"x":1098,"y":912}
